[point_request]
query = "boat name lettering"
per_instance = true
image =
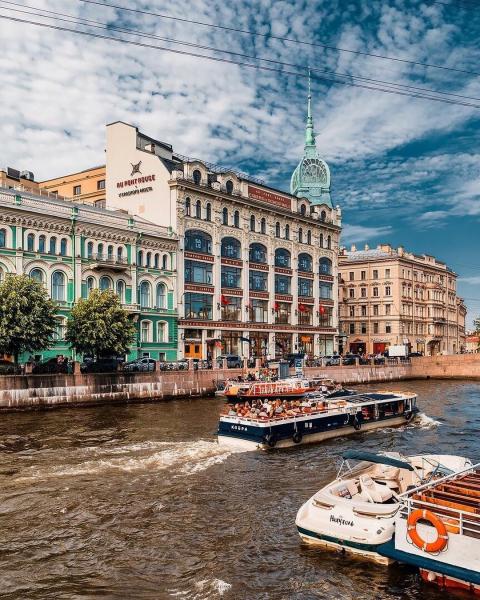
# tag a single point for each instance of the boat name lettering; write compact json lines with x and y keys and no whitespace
{"x":239,"y":427}
{"x":340,"y":520}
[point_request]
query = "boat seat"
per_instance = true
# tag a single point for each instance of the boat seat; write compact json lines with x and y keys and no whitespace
{"x":374,"y":492}
{"x":385,"y":472}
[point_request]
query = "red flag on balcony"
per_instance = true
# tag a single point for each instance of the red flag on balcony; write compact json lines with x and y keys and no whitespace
{"x":302,"y":308}
{"x":322,"y":309}
{"x":224,"y":300}
{"x":276,"y":306}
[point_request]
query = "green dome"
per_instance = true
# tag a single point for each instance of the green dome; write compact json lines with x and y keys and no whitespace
{"x":311,"y":178}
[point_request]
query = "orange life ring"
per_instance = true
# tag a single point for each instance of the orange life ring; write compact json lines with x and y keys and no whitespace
{"x":442,"y":536}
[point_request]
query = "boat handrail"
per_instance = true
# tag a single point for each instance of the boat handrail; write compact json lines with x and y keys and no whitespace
{"x":429,"y":484}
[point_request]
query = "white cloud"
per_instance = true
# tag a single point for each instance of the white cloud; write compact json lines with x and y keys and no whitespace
{"x":361,"y":233}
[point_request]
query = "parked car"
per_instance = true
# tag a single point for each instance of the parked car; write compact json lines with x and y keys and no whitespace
{"x":414,"y":354}
{"x":52,"y":365}
{"x":233,"y":361}
{"x":9,"y":368}
{"x":351,"y":359}
{"x":293,"y":357}
{"x":140,"y":365}
{"x":101,"y":365}
{"x":332,"y":361}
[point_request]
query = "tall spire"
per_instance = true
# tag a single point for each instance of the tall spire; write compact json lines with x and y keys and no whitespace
{"x":309,"y":131}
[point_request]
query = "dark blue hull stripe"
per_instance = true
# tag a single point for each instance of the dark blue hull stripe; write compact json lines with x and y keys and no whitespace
{"x":389,"y":551}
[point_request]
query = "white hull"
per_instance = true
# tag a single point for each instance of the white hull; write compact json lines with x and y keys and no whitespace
{"x":241,"y":444}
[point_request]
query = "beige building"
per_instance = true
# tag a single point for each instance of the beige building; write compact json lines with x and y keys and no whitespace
{"x":23,"y":181}
{"x":390,"y":296}
{"x":86,"y":186}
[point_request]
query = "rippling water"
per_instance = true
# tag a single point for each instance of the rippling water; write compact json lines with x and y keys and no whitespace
{"x":140,"y":502}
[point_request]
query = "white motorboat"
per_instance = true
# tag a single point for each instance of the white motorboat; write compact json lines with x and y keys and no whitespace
{"x":356,"y":512}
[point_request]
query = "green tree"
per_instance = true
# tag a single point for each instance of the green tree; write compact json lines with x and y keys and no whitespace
{"x":99,"y":326}
{"x":27,"y":316}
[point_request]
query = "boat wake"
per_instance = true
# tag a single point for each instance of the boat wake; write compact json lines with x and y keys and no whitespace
{"x":181,"y":458}
{"x":423,"y":421}
{"x":206,"y":588}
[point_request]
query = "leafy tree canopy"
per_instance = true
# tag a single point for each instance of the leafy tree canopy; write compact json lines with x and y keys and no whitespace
{"x":99,"y":326}
{"x":27,"y":316}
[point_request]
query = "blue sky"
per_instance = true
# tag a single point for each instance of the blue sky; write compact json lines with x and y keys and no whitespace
{"x":404,"y":170}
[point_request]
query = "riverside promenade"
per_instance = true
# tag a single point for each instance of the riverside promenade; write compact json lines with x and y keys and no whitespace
{"x":21,"y":392}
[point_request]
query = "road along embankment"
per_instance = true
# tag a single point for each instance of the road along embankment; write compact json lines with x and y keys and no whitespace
{"x":48,"y":391}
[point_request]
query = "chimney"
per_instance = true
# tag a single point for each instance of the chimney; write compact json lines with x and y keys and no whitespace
{"x":367,"y":247}
{"x":400,"y":251}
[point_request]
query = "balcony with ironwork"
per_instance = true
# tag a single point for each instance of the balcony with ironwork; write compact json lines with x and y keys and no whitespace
{"x":110,"y":261}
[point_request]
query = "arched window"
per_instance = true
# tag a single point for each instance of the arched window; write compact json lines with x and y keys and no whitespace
{"x":156,"y":261}
{"x":229,"y":186}
{"x":3,"y":238}
{"x":146,"y":331}
{"x":90,"y":285}
{"x":148,"y":259}
{"x":198,"y":241}
{"x":100,"y":251}
{"x":105,"y":283}
{"x":42,"y":240}
{"x":329,"y":243}
{"x":90,"y":250}
{"x":52,"y":245}
{"x":225,"y":216}
{"x":59,"y":288}
{"x":161,"y":299}
{"x":305,"y":263}
{"x":282,"y":258}
{"x":325,"y":266}
{"x":63,"y":247}
{"x":309,"y":237}
{"x":321,"y":240}
{"x":165,"y":262}
{"x":188,"y":207}
{"x":60,"y":328}
{"x":252,"y":222}
{"x":37,"y":275}
{"x":208,"y":215}
{"x":197,"y":177}
{"x":162,"y":332}
{"x":300,"y":235}
{"x":2,"y":274}
{"x":110,"y":252}
{"x":140,"y":258}
{"x":231,"y":248}
{"x":287,"y":232}
{"x":236,"y":219}
{"x":277,"y":229}
{"x":145,"y":295}
{"x":198,"y":209}
{"x":323,"y":216}
{"x":121,"y":290}
{"x":303,"y":209}
{"x":258,"y":254}
{"x":120,"y":254}
{"x":263,"y":225}
{"x":30,"y":242}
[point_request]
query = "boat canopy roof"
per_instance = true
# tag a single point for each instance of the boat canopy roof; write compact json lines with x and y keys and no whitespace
{"x":377,"y":458}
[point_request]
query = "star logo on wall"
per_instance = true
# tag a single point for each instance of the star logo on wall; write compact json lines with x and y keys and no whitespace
{"x":135,"y":168}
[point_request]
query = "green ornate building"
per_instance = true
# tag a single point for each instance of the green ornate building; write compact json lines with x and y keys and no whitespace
{"x":74,"y":248}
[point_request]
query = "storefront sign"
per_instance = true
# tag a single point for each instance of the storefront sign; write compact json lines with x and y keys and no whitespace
{"x":199,"y":288}
{"x":269,"y":197}
{"x":204,"y":257}
{"x":135,"y":182}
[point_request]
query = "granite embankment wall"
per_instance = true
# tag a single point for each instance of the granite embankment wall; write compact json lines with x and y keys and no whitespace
{"x":46,"y":391}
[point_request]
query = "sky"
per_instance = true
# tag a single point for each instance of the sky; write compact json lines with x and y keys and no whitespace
{"x":404,"y":170}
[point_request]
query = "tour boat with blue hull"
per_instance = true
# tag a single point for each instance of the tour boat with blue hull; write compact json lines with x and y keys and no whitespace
{"x":317,"y":418}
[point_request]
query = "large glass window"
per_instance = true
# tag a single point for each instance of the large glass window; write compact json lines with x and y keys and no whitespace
{"x":258,"y":281}
{"x":325,"y":290}
{"x":258,"y":253}
{"x":37,"y":275}
{"x":305,"y":314}
{"x":198,"y":272}
{"x":263,"y":226}
{"x":231,"y":308}
{"x":305,"y":263}
{"x":198,"y":306}
{"x":146,"y":331}
{"x":90,"y":285}
{"x":259,"y":311}
{"x":305,"y":287}
{"x":325,"y":266}
{"x":121,"y":290}
{"x":30,"y":242}
{"x":231,"y":248}
{"x":41,"y":243}
{"x":283,"y":312}
{"x":59,"y":287}
{"x":225,"y":216}
{"x":231,"y":277}
{"x":282,"y":284}
{"x":52,"y":245}
{"x":198,"y":209}
{"x":282,"y":258}
{"x":197,"y":177}
{"x":252,"y":223}
{"x":326,"y":318}
{"x":236,"y":219}
{"x":90,"y":250}
{"x":161,"y":296}
{"x":198,"y":241}
{"x":105,"y":283}
{"x":145,"y":293}
{"x":229,"y":186}
{"x":63,"y":247}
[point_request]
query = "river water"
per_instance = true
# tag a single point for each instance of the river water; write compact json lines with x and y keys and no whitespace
{"x":139,"y":502}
